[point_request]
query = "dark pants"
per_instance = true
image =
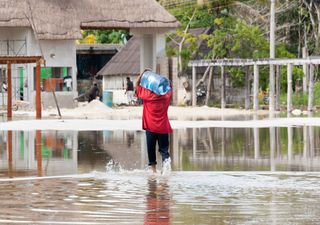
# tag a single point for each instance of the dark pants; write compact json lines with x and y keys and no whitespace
{"x":163,"y":142}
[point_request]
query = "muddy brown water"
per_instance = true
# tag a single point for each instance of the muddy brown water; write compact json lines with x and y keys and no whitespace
{"x":220,"y":176}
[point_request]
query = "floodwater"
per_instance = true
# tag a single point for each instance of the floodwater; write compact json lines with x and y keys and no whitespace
{"x":220,"y":176}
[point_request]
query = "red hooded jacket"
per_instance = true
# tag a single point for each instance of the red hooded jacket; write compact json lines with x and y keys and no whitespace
{"x":155,"y":110}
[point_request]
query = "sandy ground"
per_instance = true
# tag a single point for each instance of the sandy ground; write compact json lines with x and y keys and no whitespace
{"x":97,"y":110}
{"x":97,"y":116}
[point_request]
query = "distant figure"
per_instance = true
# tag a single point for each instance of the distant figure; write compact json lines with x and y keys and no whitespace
{"x":67,"y":80}
{"x":187,"y":93}
{"x":93,"y":92}
{"x":298,"y":88}
{"x":129,"y":91}
{"x":130,"y":138}
{"x":4,"y":86}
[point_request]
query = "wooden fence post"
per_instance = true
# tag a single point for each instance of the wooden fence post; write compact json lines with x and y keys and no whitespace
{"x":194,"y":94}
{"x":271,"y":89}
{"x":38,"y":91}
{"x":311,"y":80}
{"x":255,"y":87}
{"x":247,"y":88}
{"x":9,"y":96}
{"x":209,"y":85}
{"x":223,"y":86}
{"x":278,"y":87}
{"x":289,"y":88}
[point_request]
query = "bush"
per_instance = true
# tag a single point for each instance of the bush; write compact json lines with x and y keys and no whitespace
{"x":301,"y":99}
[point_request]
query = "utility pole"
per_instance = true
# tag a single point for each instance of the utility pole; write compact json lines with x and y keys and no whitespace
{"x":272,"y":56}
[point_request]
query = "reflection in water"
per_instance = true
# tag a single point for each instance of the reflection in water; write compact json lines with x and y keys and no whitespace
{"x":39,"y":152}
{"x":129,"y":197}
{"x":158,"y":203}
{"x":46,"y":153}
{"x":242,"y":149}
{"x":193,"y":198}
{"x":10,"y":153}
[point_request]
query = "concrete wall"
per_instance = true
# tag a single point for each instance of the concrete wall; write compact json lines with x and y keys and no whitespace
{"x":57,"y":53}
{"x":117,"y":84}
{"x":152,"y":45}
{"x":64,"y":99}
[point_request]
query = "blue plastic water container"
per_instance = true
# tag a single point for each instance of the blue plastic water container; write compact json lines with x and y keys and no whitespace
{"x":156,"y":83}
{"x":107,"y":98}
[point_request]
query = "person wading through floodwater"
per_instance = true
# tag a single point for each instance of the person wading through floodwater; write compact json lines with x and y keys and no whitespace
{"x":155,"y":117}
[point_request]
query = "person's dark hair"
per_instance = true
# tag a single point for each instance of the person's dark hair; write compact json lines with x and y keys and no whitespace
{"x":128,"y":78}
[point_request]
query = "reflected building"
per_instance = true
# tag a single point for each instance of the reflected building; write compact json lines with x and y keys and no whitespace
{"x":194,"y":149}
{"x":18,"y":152}
{"x":247,"y":149}
{"x":69,"y":152}
{"x":127,"y":148}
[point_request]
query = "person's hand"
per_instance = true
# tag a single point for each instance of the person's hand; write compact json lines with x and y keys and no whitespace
{"x":139,"y":77}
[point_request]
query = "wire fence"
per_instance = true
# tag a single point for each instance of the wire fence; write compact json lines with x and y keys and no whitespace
{"x":13,"y":47}
{"x":18,"y":85}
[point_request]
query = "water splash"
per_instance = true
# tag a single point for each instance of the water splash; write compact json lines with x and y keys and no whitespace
{"x":113,"y":166}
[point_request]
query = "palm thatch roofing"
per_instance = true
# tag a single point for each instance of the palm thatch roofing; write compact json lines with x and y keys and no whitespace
{"x":64,"y":19}
{"x":125,"y":62}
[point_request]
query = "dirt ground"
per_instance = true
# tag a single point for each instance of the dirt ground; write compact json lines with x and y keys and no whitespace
{"x":98,"y":110}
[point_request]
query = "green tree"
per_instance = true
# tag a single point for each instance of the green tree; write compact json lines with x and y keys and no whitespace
{"x":105,"y":36}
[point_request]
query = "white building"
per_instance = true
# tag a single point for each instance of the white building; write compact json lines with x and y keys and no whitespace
{"x":50,"y":28}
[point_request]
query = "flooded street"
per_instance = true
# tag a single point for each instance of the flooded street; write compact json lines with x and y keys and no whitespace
{"x":220,"y":176}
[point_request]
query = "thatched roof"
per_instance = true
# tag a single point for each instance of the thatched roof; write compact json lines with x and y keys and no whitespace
{"x":63,"y":19}
{"x":125,"y":62}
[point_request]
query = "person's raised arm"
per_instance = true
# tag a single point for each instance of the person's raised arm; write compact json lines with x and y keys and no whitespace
{"x":139,"y":77}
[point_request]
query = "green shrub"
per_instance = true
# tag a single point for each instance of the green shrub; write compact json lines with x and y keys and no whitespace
{"x":301,"y":99}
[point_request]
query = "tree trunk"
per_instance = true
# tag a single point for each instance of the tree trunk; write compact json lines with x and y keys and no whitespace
{"x":272,"y":55}
{"x":287,"y":29}
{"x":182,"y":42}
